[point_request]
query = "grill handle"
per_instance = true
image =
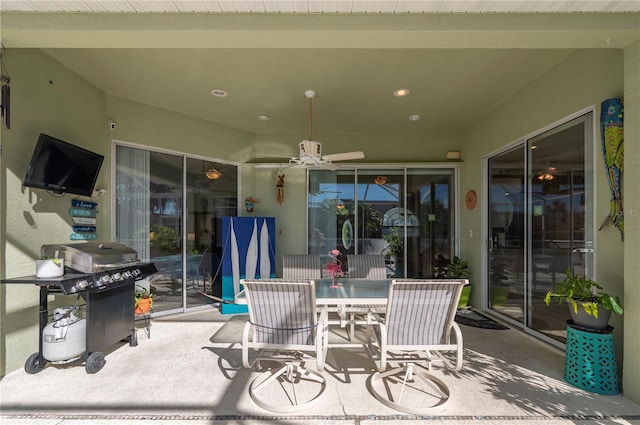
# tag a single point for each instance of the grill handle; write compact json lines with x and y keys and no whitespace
{"x":132,"y":263}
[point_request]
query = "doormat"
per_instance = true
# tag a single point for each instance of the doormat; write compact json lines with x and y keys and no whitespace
{"x":477,"y":320}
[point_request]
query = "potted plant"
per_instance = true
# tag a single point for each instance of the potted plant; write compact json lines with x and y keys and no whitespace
{"x":143,"y":300}
{"x":459,"y":269}
{"x":590,"y":307}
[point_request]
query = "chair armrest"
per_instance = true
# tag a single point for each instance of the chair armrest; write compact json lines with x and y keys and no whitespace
{"x":459,"y":352}
{"x":322,"y":338}
{"x":245,"y":345}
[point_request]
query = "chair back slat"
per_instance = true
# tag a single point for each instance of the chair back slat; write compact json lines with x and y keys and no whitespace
{"x":367,"y":266}
{"x":421,"y":312}
{"x":282,"y":312}
{"x":301,"y":266}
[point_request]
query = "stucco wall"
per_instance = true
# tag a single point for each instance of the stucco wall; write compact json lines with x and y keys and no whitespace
{"x":45,"y":98}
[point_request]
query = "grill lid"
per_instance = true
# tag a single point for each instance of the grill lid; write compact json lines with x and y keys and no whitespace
{"x":92,"y":257}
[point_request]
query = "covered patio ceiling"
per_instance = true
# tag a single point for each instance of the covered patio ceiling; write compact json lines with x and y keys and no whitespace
{"x":459,"y":60}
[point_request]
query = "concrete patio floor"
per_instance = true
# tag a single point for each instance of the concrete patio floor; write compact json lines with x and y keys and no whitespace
{"x":189,"y":371}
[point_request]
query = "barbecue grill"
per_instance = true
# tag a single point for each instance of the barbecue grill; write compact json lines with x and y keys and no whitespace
{"x":104,"y":275}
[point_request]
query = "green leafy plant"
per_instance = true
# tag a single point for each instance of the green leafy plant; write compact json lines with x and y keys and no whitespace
{"x":577,"y":290}
{"x":394,"y":243}
{"x":458,"y":268}
{"x":164,"y":237}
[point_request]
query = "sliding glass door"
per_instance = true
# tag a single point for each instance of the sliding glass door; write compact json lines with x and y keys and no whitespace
{"x":169,"y":208}
{"x":540,"y":223}
{"x":405,"y":214}
{"x":506,"y":231}
{"x":561,"y":220}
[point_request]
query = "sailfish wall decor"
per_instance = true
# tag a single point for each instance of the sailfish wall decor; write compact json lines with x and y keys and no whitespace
{"x":612,"y":133}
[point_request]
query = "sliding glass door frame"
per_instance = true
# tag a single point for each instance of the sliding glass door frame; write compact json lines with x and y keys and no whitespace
{"x":184,"y":213}
{"x":404,"y":171}
{"x":591,"y":157}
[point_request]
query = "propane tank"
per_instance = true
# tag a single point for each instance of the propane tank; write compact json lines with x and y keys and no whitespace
{"x":64,"y":339}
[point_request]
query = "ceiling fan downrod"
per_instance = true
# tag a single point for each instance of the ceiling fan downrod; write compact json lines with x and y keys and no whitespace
{"x":310,"y":94}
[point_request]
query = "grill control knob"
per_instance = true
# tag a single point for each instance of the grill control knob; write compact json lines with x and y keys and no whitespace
{"x":83,"y":284}
{"x":127,"y":274}
{"x":106,"y":279}
{"x":116,"y":276}
{"x":136,"y":272}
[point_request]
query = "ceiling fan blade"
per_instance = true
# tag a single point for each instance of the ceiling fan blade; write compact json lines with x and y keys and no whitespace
{"x":268,"y":155}
{"x":345,"y":156}
{"x":272,"y":166}
{"x":329,"y":166}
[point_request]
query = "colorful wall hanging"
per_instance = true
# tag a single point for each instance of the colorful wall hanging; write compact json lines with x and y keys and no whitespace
{"x":83,"y":214}
{"x":280,"y":188}
{"x":612,"y":132}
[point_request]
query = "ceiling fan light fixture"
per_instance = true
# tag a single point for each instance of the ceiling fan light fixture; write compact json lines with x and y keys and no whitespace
{"x":263,"y":117}
{"x":380,"y":180}
{"x":547,"y":175}
{"x":213,"y":174}
{"x":415,"y":117}
{"x":401,"y":92}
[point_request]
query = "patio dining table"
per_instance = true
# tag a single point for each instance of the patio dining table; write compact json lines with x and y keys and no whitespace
{"x":345,"y":291}
{"x":351,"y":291}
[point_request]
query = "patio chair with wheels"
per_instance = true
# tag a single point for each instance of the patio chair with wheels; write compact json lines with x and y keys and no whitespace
{"x":285,"y":327}
{"x":416,"y":333}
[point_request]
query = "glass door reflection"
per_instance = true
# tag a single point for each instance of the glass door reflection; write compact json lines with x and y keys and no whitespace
{"x":506,"y":231}
{"x":560,"y":233}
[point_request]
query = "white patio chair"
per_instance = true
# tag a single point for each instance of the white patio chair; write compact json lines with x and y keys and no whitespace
{"x":367,"y":266}
{"x":415,"y":333}
{"x":284,"y":326}
{"x":301,"y":266}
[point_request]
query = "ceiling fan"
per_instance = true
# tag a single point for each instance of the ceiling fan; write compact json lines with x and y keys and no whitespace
{"x":310,"y":152}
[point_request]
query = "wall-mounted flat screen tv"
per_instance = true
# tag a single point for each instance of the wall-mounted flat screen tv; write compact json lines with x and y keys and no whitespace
{"x":61,"y":167}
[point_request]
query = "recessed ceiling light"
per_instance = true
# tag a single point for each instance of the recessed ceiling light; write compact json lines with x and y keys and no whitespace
{"x":401,"y":92}
{"x":263,"y":117}
{"x":219,"y":93}
{"x":415,"y":117}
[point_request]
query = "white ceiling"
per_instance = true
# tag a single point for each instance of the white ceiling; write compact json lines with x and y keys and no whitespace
{"x":354,"y":54}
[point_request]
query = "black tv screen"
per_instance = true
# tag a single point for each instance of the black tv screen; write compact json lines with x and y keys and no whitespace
{"x":61,"y":167}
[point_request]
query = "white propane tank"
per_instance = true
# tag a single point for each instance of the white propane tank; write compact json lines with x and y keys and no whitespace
{"x":64,"y":339}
